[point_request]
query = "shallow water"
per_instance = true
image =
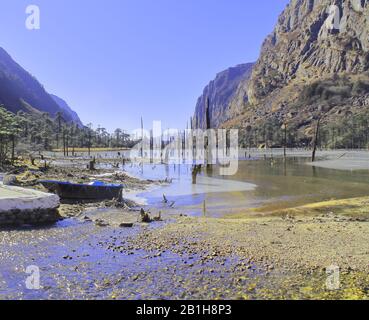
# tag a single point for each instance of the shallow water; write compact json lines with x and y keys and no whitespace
{"x":263,"y":184}
{"x":80,"y":261}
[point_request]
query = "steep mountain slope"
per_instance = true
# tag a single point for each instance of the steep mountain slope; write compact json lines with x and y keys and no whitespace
{"x":67,"y":109}
{"x":312,"y":39}
{"x":20,"y":91}
{"x":315,"y":64}
{"x":220,"y":93}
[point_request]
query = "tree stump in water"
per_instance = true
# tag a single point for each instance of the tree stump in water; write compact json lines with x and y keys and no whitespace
{"x":195,"y":171}
{"x":91,"y":165}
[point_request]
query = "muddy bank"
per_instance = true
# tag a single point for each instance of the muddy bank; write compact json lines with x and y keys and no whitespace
{"x":94,"y":256}
{"x":294,"y":252}
{"x":28,"y":177}
{"x":310,"y":244}
{"x":74,"y":170}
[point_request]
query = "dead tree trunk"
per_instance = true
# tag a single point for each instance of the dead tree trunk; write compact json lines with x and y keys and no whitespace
{"x":285,"y":141}
{"x":64,"y":150}
{"x":91,"y":166}
{"x":315,"y":145}
{"x":208,"y":127}
{"x":151,"y":146}
{"x":195,"y":171}
{"x":89,"y":143}
{"x":142,"y":139}
{"x":67,"y":146}
{"x":13,"y":149}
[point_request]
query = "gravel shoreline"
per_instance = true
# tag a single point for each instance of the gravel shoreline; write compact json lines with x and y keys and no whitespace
{"x":188,"y":258}
{"x":284,"y":254}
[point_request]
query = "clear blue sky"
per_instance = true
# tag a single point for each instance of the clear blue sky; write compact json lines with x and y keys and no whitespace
{"x":115,"y":60}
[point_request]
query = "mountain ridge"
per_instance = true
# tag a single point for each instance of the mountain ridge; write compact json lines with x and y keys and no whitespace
{"x":21,"y":91}
{"x":314,"y":65}
{"x":65,"y":106}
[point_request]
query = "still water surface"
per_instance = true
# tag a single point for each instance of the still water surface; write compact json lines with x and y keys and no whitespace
{"x":267,"y":184}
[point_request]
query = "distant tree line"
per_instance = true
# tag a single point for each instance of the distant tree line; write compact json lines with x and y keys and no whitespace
{"x":25,"y":133}
{"x":344,"y":133}
{"x":340,"y":132}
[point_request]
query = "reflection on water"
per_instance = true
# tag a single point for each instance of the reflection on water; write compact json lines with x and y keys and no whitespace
{"x":279,"y":184}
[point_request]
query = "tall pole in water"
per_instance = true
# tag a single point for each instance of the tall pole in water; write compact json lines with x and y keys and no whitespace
{"x":284,"y":127}
{"x":142,"y":137}
{"x":207,"y":113}
{"x":185,"y":143}
{"x":142,"y":142}
{"x":151,"y":146}
{"x":208,"y":127}
{"x":316,"y":137}
{"x":191,"y":137}
{"x":161,"y":148}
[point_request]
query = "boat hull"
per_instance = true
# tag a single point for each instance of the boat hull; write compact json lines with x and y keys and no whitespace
{"x":72,"y":191}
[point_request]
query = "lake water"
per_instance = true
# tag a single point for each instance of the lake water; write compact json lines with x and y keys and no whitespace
{"x":266,"y":184}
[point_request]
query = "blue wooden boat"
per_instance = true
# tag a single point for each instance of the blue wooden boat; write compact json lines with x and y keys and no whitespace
{"x":93,"y":191}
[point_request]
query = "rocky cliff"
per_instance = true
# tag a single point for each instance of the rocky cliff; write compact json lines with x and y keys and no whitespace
{"x":313,"y":65}
{"x":312,"y":39}
{"x":219,"y":93}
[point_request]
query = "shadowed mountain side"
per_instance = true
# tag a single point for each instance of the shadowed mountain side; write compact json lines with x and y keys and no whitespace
{"x":20,"y":91}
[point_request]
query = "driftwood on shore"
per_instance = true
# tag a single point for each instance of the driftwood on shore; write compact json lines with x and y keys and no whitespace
{"x":145,"y":217}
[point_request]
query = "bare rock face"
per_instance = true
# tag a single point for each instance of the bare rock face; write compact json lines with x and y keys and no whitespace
{"x":220,"y":92}
{"x":314,"y":65}
{"x":313,"y":39}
